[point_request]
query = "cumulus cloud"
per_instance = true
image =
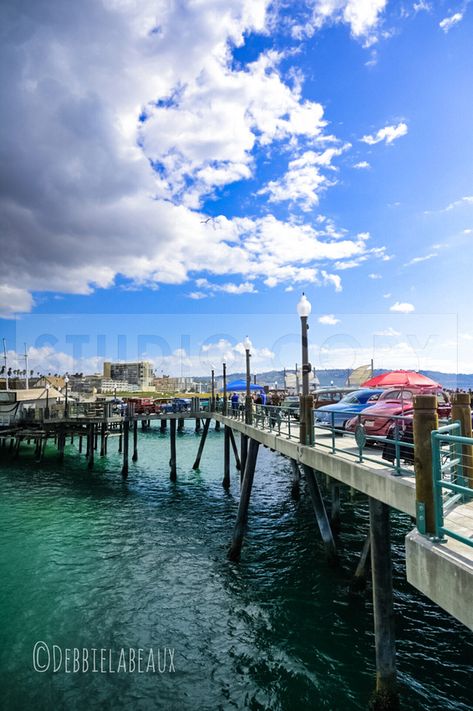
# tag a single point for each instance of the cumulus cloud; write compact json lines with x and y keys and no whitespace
{"x":467,"y":200}
{"x":329,"y":320}
{"x":120,"y":118}
{"x":363,"y":16}
{"x":305,"y":180}
{"x":448,"y":22}
{"x":362,"y":165}
{"x":402,"y":307}
{"x":387,"y":134}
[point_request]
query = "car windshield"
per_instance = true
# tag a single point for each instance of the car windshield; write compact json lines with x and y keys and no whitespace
{"x":349,"y":400}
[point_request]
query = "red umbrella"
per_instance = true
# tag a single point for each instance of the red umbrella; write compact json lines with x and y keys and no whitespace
{"x":401,"y":378}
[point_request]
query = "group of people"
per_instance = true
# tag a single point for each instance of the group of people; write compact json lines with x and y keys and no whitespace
{"x":259,"y":400}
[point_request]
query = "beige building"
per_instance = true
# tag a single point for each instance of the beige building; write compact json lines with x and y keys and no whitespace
{"x":138,"y":373}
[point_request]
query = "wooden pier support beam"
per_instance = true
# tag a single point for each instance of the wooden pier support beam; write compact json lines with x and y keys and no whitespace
{"x":217,"y":425}
{"x":172,"y":461}
{"x":385,"y":697}
{"x":296,"y":480}
{"x":197,"y":424}
{"x":80,"y":444}
{"x":226,"y":458}
{"x":243,"y":453}
{"x":135,"y":441}
{"x":461,"y":410}
{"x":93,"y":439}
{"x":242,"y":516}
{"x":335,"y":506}
{"x":320,"y":513}
{"x":196,"y":464}
{"x":103,"y":430}
{"x":425,"y":420}
{"x":235,"y":449}
{"x":180,"y":424}
{"x":164,"y":424}
{"x":126,"y":444}
{"x":358,"y":582}
{"x":120,"y":440}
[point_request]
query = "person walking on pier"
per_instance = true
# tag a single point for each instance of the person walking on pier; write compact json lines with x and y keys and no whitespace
{"x":235,"y":402}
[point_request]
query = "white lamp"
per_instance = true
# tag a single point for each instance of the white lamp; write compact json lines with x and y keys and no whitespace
{"x":304,"y":307}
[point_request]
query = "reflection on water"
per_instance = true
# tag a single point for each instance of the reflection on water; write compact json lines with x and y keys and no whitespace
{"x":89,"y":560}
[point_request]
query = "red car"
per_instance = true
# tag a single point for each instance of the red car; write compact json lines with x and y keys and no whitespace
{"x":378,"y":419}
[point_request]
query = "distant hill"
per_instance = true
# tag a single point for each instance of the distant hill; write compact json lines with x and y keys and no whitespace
{"x":338,"y":376}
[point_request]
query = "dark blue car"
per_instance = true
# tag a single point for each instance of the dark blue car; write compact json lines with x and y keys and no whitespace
{"x":337,"y":414}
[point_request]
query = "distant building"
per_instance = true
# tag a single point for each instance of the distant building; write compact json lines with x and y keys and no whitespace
{"x":167,"y":384}
{"x":23,"y":404}
{"x":139,"y":373}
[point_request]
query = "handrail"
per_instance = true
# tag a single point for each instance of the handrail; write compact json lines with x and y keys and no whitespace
{"x":449,"y":481}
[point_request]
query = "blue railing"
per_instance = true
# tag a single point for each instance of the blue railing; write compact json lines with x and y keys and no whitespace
{"x":452,"y":472}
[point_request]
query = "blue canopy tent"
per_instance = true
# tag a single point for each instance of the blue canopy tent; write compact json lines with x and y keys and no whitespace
{"x":240,"y":386}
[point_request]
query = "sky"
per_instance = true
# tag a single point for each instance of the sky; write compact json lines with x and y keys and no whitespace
{"x":175,"y":173}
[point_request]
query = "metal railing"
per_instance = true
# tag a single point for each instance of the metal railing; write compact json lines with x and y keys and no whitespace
{"x":397,"y":448}
{"x":452,"y":474}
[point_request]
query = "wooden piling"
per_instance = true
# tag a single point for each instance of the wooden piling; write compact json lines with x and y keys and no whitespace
{"x":358,"y":582}
{"x":226,"y":458}
{"x":93,"y":439}
{"x":126,"y":444}
{"x":461,"y":411}
{"x":217,"y":426}
{"x":243,"y":453}
{"x":425,"y":420}
{"x":80,"y":444}
{"x":172,"y":461}
{"x":201,"y":444}
{"x":296,"y":480}
{"x":335,"y":506}
{"x":103,"y":429}
{"x":235,"y":449}
{"x":320,"y":513}
{"x":197,"y":424}
{"x":385,"y":696}
{"x":242,"y":516}
{"x":135,"y":441}
{"x":180,"y":424}
{"x":164,"y":424}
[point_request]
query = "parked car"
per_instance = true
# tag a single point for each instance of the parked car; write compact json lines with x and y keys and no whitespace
{"x":177,"y":404}
{"x":291,"y":404}
{"x":330,"y":395}
{"x":378,"y":418}
{"x":339,"y":413}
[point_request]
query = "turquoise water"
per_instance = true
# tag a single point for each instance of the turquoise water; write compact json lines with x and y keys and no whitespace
{"x":88,"y":560}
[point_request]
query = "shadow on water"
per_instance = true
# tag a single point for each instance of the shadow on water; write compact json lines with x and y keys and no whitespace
{"x":90,"y":560}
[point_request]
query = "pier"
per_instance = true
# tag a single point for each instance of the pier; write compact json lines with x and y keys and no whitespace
{"x":439,"y":551}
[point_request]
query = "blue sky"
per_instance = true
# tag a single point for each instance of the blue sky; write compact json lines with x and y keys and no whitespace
{"x":184,"y":171}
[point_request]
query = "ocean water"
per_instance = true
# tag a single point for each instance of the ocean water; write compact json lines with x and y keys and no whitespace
{"x":88,"y":560}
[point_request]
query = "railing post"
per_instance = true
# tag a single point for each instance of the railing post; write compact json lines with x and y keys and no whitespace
{"x":425,"y":421}
{"x":461,"y":411}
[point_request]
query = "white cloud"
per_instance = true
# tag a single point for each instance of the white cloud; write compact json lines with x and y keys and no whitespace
{"x":448,"y":22}
{"x":14,"y":300}
{"x":468,"y":231}
{"x":133,"y":113}
{"x":418,"y":260}
{"x":245,"y":287}
{"x":329,"y":320}
{"x":402,"y":307}
{"x":363,"y":16}
{"x":467,"y":200}
{"x":362,"y":165}
{"x":388,"y":332}
{"x":304,"y":181}
{"x":375,"y":276}
{"x":387,"y":296}
{"x":387,"y":134}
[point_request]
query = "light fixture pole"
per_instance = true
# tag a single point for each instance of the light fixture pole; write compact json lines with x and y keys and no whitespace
{"x":6,"y":363}
{"x":248,"y":400}
{"x":306,"y":431}
{"x":212,"y":399}
{"x":66,"y":404}
{"x":46,"y":409}
{"x":224,"y":366}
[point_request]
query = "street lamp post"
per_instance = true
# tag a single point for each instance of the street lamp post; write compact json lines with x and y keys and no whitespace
{"x":224,"y":365}
{"x":248,"y":400}
{"x":66,"y":404}
{"x":212,"y":399}
{"x":46,"y":409}
{"x":306,"y":431}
